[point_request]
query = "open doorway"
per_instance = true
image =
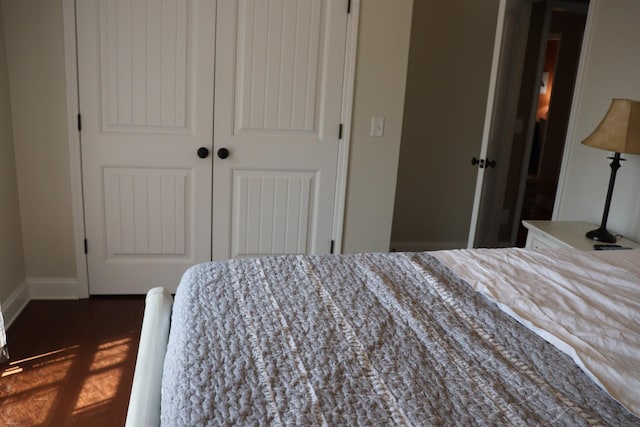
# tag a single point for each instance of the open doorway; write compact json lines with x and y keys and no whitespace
{"x":449,"y":85}
{"x":546,"y":94}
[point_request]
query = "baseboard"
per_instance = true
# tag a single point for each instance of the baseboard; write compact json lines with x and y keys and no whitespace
{"x":416,"y":246}
{"x":53,"y":288}
{"x":16,"y":302}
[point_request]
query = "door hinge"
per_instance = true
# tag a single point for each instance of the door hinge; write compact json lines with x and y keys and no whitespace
{"x":79,"y":122}
{"x":348,"y":6}
{"x":86,"y":247}
{"x":333,"y":242}
{"x":340,"y":131}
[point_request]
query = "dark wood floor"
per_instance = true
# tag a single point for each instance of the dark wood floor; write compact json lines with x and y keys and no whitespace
{"x":71,"y":363}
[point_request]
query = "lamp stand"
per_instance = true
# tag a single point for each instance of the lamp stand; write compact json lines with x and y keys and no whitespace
{"x":602,"y":234}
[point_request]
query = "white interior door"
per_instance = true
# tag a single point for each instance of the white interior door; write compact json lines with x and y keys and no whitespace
{"x":279,"y":82}
{"x":500,"y":124}
{"x":146,"y":98}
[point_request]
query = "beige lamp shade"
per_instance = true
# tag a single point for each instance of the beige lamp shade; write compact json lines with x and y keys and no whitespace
{"x":619,"y":130}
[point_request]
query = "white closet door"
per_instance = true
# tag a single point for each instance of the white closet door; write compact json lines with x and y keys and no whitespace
{"x":146,"y":98}
{"x":279,"y":82}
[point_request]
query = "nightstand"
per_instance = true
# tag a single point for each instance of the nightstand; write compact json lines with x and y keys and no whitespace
{"x":564,"y":234}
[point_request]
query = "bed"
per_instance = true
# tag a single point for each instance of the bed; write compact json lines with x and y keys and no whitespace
{"x":466,"y":337}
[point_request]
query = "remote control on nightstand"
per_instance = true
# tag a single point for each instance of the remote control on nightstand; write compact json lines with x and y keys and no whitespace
{"x":603,"y":247}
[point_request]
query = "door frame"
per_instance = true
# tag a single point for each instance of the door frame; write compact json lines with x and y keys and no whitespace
{"x":74,"y":140}
{"x":585,"y":53}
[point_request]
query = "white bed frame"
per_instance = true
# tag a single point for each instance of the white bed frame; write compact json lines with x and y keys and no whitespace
{"x":144,"y":403}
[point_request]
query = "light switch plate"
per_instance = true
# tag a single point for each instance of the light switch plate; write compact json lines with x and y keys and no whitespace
{"x":377,"y":126}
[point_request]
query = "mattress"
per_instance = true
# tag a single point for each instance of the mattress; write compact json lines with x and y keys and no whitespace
{"x":586,"y":303}
{"x":372,"y":339}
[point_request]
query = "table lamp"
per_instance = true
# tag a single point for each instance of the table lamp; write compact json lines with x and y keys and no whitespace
{"x":619,"y":132}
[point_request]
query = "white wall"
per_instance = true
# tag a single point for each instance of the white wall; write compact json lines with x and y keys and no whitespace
{"x":34,"y":42}
{"x":35,"y":57}
{"x":12,"y":270}
{"x":611,"y":69}
{"x":383,"y":49}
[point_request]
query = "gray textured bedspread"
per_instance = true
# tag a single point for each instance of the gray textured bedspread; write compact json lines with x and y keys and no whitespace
{"x":372,"y":339}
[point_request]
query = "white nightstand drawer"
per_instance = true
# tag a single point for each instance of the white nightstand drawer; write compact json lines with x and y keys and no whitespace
{"x":540,"y":241}
{"x":536,"y":243}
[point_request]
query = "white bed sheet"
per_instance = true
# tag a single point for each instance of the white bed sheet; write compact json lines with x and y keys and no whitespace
{"x":585,"y":303}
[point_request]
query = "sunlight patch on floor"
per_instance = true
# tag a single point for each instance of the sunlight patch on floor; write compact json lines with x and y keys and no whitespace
{"x":36,"y":379}
{"x":105,"y":373}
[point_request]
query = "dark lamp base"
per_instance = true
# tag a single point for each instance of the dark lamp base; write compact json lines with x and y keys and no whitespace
{"x":601,"y":235}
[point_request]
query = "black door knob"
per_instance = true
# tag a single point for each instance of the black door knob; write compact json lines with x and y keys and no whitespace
{"x":223,"y":153}
{"x":203,"y":152}
{"x":480,"y":162}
